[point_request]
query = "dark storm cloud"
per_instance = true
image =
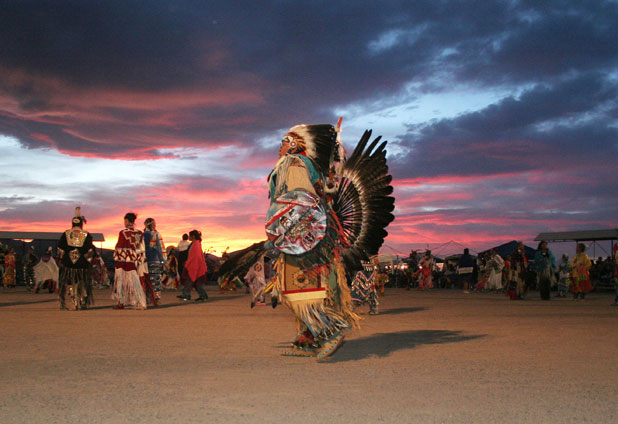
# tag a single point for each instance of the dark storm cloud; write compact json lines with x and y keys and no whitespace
{"x":296,"y":61}
{"x":568,"y":120}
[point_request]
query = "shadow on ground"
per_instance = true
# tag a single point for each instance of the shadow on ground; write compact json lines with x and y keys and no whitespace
{"x":30,"y":302}
{"x":397,"y":311}
{"x":383,"y":344}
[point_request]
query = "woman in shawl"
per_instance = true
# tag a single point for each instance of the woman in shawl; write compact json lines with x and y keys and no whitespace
{"x":194,"y":272}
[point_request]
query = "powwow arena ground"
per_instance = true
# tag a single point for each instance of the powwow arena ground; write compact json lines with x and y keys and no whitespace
{"x":430,"y":357}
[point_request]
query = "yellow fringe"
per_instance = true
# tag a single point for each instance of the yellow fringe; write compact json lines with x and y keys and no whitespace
{"x":347,"y":307}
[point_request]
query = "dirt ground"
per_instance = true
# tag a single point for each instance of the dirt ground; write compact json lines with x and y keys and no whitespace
{"x":429,"y":357}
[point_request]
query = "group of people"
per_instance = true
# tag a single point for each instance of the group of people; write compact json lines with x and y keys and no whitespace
{"x":142,"y":268}
{"x":516,"y":273}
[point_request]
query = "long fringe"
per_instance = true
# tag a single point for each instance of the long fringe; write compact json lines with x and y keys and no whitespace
{"x":128,"y":290}
{"x":80,"y":282}
{"x":345,"y":298}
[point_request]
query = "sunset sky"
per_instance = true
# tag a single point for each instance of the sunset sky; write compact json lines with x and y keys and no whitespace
{"x":501,"y":116}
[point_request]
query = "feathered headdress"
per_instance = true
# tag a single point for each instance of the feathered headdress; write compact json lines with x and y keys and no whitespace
{"x":78,"y":220}
{"x":317,"y":141}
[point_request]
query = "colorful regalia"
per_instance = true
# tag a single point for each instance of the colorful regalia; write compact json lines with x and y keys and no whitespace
{"x":155,"y":255}
{"x":130,"y":269}
{"x":171,"y":278}
{"x":580,"y":270}
{"x":30,"y":262}
{"x":425,"y":269}
{"x":519,"y":264}
{"x":46,"y":273}
{"x":326,"y":215}
{"x":364,"y":287}
{"x":324,"y":212}
{"x":100,"y":279}
{"x":76,"y":250}
{"x":495,"y":266}
{"x":9,"y":269}
{"x":256,"y":281}
{"x":564,"y":276}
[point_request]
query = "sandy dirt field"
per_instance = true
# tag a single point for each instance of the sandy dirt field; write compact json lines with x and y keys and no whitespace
{"x":429,"y":357}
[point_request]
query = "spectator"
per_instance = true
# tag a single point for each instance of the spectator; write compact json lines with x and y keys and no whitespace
{"x":465,"y":269}
{"x":545,"y":264}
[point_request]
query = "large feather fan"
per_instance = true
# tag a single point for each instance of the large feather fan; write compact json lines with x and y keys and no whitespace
{"x":363,"y":203}
{"x":239,"y":262}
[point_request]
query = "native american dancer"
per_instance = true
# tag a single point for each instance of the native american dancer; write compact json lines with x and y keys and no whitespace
{"x":155,"y":255}
{"x":495,"y":266}
{"x":564,"y":276}
{"x":46,"y":272}
{"x":256,"y":281}
{"x":100,"y":279}
{"x":381,"y":281}
{"x":30,"y":260}
{"x":364,"y":287}
{"x":9,"y":269}
{"x":580,"y":270}
{"x":76,"y":251}
{"x":130,"y":264}
{"x":171,"y":278}
{"x":426,"y":266}
{"x":519,"y":265}
{"x":326,"y":215}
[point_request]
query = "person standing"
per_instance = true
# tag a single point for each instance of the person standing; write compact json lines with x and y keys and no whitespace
{"x":155,"y":255}
{"x":545,"y":264}
{"x":364,"y":287}
{"x":519,"y":265}
{"x":426,"y":266}
{"x":183,"y":252}
{"x":130,"y":266}
{"x":76,"y":251}
{"x":412,"y":268}
{"x":495,"y":266}
{"x":46,"y":272}
{"x":171,"y":277}
{"x":580,"y":269}
{"x":29,"y":263}
{"x":9,"y":269}
{"x":564,"y":276}
{"x":465,"y":269}
{"x":256,"y":281}
{"x":194,"y":273}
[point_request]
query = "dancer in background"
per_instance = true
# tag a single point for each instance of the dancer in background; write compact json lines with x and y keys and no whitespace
{"x":564,"y":276}
{"x":256,"y":280}
{"x":9,"y":269}
{"x":363,"y":289}
{"x":426,"y":266}
{"x":76,"y":251}
{"x":495,"y":266}
{"x":130,"y":266}
{"x":155,"y":256}
{"x":580,"y":270}
{"x":46,"y":272}
{"x":545,"y":267}
{"x":171,"y":278}
{"x":519,"y":265}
